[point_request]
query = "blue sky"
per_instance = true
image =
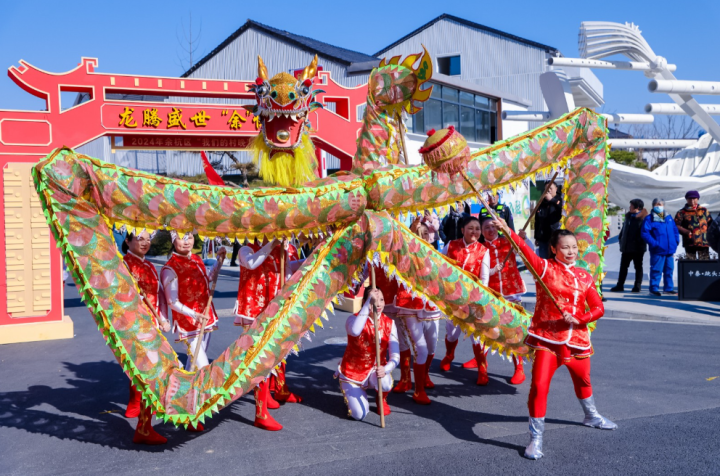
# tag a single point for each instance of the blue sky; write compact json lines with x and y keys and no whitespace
{"x":134,"y":37}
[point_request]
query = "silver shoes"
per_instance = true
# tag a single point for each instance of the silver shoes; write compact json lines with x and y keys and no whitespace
{"x":593,"y":418}
{"x":537,"y":428}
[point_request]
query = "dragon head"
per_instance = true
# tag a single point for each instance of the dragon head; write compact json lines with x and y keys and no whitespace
{"x":283,"y":149}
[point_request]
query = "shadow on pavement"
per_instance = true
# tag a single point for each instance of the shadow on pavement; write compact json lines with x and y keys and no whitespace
{"x":310,"y":378}
{"x":83,"y":411}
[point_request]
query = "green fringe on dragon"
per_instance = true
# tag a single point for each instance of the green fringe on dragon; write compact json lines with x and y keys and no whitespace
{"x":354,"y":212}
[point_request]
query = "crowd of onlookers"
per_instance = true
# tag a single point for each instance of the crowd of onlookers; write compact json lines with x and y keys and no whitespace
{"x":658,"y":232}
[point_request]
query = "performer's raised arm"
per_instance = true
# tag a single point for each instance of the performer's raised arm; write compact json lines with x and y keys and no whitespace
{"x":250,"y":259}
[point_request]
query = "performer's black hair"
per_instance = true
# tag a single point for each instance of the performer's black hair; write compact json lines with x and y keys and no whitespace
{"x":637,"y":203}
{"x":470,"y":219}
{"x":555,"y":238}
{"x":124,"y":246}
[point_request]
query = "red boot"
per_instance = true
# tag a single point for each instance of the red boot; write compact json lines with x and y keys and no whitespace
{"x":519,"y":375}
{"x":470,"y":364}
{"x":420,"y":396}
{"x":145,"y":434}
{"x":449,"y":355}
{"x":196,"y":428}
{"x":133,"y":406}
{"x":282,"y":392}
{"x":428,"y":382}
{"x":262,"y":418}
{"x":386,"y":407}
{"x":480,"y":356}
{"x":272,"y":404}
{"x":405,"y":382}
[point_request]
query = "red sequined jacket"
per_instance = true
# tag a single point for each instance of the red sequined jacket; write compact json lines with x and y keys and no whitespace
{"x":507,"y":282}
{"x":148,"y":281}
{"x":468,"y":257}
{"x":193,"y":292}
{"x":259,"y":286}
{"x":572,"y":287}
{"x":359,"y":358}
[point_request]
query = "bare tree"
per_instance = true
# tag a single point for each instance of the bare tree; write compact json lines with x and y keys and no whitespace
{"x":188,"y":43}
{"x":667,"y":127}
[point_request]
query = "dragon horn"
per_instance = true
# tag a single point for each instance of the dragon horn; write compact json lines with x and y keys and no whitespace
{"x":262,"y":69}
{"x":310,"y":70}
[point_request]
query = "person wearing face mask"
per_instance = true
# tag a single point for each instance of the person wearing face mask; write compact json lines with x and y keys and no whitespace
{"x":692,"y":222}
{"x":661,"y":234}
{"x":473,"y":257}
{"x":421,"y":322}
{"x":187,"y":285}
{"x":135,"y":248}
{"x":504,"y":277}
{"x":358,"y":369}
{"x":560,"y":338}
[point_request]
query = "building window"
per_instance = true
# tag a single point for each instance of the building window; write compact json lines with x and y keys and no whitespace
{"x":474,"y":116}
{"x":449,"y":65}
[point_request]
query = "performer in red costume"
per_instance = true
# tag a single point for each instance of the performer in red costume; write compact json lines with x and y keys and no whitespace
{"x":504,"y":278}
{"x":135,"y":249}
{"x":560,"y":339}
{"x":420,"y":321}
{"x":187,"y":285}
{"x":472,"y":256}
{"x":259,"y":284}
{"x":358,"y":370}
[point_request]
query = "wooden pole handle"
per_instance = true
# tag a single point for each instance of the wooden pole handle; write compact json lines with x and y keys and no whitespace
{"x":535,"y":209}
{"x":203,"y":320}
{"x":381,"y":402}
{"x":514,"y":245}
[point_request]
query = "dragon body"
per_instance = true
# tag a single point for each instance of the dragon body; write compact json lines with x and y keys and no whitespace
{"x":356,"y":213}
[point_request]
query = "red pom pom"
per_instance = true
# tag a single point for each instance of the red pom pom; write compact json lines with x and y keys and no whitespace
{"x":451,"y":128}
{"x":308,"y":82}
{"x":259,"y":81}
{"x":430,"y":132}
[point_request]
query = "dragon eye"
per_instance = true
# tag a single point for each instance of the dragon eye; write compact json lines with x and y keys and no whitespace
{"x":262,"y":90}
{"x":273,"y":94}
{"x":304,"y":90}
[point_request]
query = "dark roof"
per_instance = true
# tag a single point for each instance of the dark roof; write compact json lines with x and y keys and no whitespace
{"x":470,"y":24}
{"x":618,"y":134}
{"x":336,"y":53}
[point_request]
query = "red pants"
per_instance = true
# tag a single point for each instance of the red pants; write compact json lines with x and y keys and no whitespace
{"x":544,"y":367}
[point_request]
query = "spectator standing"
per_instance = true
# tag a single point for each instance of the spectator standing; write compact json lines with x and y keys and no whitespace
{"x":661,"y":234}
{"x":632,"y":246}
{"x":452,"y":223}
{"x":547,"y":220}
{"x":692,"y":222}
{"x":502,"y":211}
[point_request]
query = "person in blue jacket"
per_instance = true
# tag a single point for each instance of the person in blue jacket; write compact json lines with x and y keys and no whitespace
{"x":661,"y":234}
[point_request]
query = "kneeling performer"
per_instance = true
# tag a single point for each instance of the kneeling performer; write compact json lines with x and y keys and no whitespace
{"x":358,"y":370}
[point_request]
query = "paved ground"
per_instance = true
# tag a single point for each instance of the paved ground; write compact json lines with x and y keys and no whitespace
{"x":654,"y":379}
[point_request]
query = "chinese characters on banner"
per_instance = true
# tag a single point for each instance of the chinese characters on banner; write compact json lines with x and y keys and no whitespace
{"x":183,"y":118}
{"x":709,"y":274}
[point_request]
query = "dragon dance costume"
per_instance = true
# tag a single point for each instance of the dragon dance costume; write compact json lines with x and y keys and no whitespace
{"x":148,"y":281}
{"x":475,"y":259}
{"x":558,"y":343}
{"x":356,"y":370}
{"x":260,"y":282}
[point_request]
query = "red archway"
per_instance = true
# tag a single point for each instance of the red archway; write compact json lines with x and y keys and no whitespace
{"x":31,"y":303}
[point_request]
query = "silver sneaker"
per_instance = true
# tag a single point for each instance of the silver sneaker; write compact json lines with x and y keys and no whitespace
{"x":593,"y":418}
{"x":537,"y":428}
